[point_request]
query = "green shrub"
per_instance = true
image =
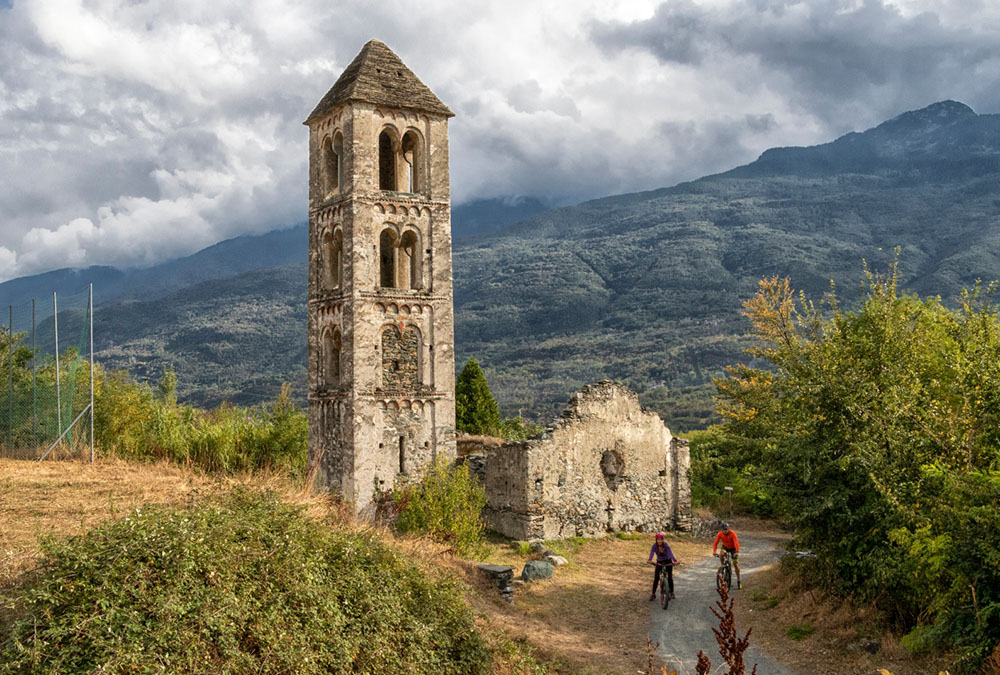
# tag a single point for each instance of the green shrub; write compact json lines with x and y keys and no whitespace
{"x":447,"y":503}
{"x":243,"y":584}
{"x":519,"y":429}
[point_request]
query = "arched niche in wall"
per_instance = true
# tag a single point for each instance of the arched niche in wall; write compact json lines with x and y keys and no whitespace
{"x":400,"y":358}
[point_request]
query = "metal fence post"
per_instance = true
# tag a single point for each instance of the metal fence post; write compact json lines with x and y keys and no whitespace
{"x":91,"y":303}
{"x":55,"y":319}
{"x":34,"y":389}
{"x":10,"y":377}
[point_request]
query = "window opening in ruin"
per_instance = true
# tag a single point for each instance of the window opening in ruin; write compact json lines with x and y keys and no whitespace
{"x":402,"y":454}
{"x":387,"y":259}
{"x":613,"y":468}
{"x":386,"y":162}
{"x":411,"y":161}
{"x":395,"y":365}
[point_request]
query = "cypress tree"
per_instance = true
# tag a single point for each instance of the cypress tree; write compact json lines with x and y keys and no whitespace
{"x":476,"y":411}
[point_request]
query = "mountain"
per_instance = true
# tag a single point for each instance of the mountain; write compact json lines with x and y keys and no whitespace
{"x":487,"y":216}
{"x":225,"y":259}
{"x":645,"y":288}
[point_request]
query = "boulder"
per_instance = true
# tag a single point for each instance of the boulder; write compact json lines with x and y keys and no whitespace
{"x":556,"y":560}
{"x":537,"y":569}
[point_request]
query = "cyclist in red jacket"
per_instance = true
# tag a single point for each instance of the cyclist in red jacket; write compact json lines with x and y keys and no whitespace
{"x":731,"y":544}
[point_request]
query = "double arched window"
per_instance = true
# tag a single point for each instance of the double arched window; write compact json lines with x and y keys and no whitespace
{"x":400,"y":260}
{"x":400,"y":161}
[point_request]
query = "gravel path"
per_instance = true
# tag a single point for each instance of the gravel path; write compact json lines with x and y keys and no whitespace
{"x":686,"y":626}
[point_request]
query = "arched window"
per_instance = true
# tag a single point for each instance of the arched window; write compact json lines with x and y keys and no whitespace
{"x":331,"y":358}
{"x":337,"y":259}
{"x":409,"y":275}
{"x":333,"y":153}
{"x":333,"y":260}
{"x":386,"y":162}
{"x":387,"y":259}
{"x":413,"y":180}
{"x":337,"y":163}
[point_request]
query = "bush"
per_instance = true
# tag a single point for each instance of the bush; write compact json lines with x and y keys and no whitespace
{"x":238,"y":585}
{"x":447,"y":504}
{"x":133,"y":422}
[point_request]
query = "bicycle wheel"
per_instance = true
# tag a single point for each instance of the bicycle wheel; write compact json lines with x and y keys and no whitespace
{"x":729,"y":577}
{"x":720,"y":578}
{"x":664,"y":593}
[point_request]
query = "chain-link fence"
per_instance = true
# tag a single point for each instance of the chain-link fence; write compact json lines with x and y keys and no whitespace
{"x":46,"y":390}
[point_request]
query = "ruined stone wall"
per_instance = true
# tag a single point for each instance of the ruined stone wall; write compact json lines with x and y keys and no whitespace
{"x":607,"y":465}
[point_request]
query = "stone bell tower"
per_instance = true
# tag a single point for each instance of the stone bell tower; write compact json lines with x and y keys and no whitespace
{"x":381,"y":319}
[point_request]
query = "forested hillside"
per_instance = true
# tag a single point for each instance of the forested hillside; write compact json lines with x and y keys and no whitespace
{"x":644,"y":288}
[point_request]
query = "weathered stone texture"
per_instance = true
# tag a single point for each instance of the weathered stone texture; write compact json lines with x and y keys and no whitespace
{"x":381,"y":365}
{"x":607,"y":465}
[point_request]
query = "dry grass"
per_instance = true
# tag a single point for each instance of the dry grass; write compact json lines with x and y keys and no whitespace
{"x":70,"y":497}
{"x":776,"y":603}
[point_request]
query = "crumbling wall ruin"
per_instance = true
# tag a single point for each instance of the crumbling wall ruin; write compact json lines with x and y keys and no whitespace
{"x":607,"y":465}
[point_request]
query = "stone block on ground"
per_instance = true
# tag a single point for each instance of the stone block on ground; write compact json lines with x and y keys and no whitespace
{"x":537,"y":569}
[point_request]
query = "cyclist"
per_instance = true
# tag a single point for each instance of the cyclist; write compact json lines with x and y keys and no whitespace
{"x":731,"y":544}
{"x":665,"y":562}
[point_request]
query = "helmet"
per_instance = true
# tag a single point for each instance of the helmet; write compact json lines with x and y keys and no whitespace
{"x":724,"y":525}
{"x":659,"y":536}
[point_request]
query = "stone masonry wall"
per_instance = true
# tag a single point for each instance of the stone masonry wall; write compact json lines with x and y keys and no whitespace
{"x":607,"y":465}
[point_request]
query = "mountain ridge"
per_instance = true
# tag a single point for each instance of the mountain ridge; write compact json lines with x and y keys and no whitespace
{"x":645,"y":287}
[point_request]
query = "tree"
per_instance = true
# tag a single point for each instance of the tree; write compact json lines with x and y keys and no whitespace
{"x":476,"y":411}
{"x":877,"y":428}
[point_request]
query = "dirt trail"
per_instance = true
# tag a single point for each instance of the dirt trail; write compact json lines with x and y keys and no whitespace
{"x":686,"y":626}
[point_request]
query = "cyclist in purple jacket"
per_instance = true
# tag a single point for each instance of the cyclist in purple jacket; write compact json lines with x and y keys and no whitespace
{"x":665,"y":562}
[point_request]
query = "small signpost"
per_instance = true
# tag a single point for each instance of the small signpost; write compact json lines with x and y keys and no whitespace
{"x":730,"y":491}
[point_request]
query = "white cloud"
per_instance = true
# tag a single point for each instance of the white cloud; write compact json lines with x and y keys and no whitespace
{"x":136,"y":131}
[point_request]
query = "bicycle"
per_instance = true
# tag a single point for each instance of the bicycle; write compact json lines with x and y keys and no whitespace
{"x":664,"y":590}
{"x":725,"y":573}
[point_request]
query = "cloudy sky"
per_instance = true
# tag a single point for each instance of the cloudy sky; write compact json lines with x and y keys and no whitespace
{"x":137,"y":130}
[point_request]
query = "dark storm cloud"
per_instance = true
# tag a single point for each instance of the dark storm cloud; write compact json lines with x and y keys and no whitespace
{"x":133,"y":132}
{"x":827,"y":57}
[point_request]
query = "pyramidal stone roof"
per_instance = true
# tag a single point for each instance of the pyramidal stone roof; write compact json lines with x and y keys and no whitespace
{"x":378,"y":76}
